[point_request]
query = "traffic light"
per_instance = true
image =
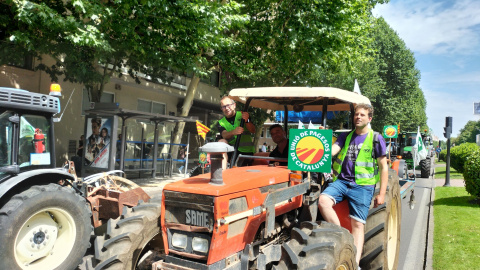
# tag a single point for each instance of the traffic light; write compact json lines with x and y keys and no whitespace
{"x":448,"y":127}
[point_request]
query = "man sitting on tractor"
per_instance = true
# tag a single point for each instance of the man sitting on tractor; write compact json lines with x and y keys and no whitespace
{"x":229,"y":127}
{"x":280,"y":138}
{"x":362,"y":153}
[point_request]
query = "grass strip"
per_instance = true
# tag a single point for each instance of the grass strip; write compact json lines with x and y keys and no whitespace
{"x":440,"y":172}
{"x":456,"y":230}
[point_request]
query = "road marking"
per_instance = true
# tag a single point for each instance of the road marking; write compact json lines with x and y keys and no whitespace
{"x":413,"y":249}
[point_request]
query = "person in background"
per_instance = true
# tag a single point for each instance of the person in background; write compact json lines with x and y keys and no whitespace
{"x":360,"y":164}
{"x":80,"y":146}
{"x":280,"y":138}
{"x":264,"y":147}
{"x":229,"y":128}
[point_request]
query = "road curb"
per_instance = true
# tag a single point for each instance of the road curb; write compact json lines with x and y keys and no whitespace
{"x":429,"y":249}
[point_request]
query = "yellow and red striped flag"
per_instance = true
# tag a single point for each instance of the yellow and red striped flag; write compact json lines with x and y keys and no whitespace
{"x":202,"y":129}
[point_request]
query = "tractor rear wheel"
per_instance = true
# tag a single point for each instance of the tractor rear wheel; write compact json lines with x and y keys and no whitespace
{"x":318,"y":246}
{"x":127,"y":236}
{"x":382,"y":232}
{"x":44,"y":227}
{"x":425,"y":167}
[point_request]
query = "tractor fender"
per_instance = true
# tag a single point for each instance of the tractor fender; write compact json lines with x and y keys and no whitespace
{"x":399,"y":165}
{"x":32,"y":177}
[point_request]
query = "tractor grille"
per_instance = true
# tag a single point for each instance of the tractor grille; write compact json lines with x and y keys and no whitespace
{"x":24,"y":100}
{"x":189,"y":209}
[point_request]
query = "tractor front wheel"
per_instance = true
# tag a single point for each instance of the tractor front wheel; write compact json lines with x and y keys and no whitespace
{"x":44,"y":227}
{"x":318,"y":246}
{"x":382,"y":232}
{"x":125,"y":242}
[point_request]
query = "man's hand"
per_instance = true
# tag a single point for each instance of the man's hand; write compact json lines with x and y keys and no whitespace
{"x":237,"y":131}
{"x":379,"y":200}
{"x":245,"y":116}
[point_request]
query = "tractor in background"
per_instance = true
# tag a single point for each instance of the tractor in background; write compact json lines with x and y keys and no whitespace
{"x":47,"y":215}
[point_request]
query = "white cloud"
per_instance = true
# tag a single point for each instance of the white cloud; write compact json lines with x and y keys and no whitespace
{"x":433,"y":27}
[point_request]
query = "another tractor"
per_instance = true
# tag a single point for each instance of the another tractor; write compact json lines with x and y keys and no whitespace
{"x":257,"y":217}
{"x":405,"y":148}
{"x":47,"y":215}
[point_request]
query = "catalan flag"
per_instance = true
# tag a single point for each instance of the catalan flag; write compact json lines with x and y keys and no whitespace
{"x":202,"y":129}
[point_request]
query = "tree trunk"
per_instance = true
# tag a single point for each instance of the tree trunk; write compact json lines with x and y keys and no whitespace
{"x":187,"y":104}
{"x":258,"y":133}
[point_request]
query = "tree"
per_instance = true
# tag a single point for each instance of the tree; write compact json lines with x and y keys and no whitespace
{"x":402,"y":101}
{"x":285,"y":42}
{"x":468,"y":134}
{"x":91,"y":41}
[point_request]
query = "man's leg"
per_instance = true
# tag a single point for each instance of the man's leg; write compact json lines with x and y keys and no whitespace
{"x":332,"y":194}
{"x":359,"y":198}
{"x":358,"y":231}
{"x":325,"y":205}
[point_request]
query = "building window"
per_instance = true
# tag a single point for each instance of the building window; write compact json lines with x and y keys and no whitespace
{"x":268,"y":133}
{"x":151,"y":106}
{"x":106,"y":98}
{"x":25,"y":62}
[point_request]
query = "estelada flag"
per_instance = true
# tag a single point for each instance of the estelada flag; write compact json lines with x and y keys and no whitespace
{"x":202,"y":129}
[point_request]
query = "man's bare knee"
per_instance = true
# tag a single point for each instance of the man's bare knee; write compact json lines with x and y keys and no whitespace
{"x":325,"y":201}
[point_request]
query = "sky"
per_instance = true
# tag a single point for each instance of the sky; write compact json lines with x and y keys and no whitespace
{"x":444,"y":36}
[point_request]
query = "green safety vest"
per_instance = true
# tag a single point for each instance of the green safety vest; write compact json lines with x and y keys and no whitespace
{"x":366,"y":169}
{"x":246,"y":143}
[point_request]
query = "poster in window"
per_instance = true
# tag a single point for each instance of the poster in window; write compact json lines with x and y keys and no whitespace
{"x":98,"y":133}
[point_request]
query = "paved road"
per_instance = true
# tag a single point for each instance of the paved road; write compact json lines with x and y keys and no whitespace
{"x":414,"y":226}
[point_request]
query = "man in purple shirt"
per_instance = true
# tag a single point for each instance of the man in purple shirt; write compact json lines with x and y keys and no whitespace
{"x":357,"y":188}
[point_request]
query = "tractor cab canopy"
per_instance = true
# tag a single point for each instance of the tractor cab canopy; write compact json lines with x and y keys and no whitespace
{"x":299,"y":99}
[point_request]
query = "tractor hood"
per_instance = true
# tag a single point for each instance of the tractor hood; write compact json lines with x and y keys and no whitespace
{"x":234,"y":180}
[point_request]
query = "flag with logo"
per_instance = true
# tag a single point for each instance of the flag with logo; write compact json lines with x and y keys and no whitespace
{"x":202,"y":129}
{"x":419,"y":149}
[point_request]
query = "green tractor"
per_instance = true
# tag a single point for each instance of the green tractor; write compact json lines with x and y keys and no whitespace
{"x":406,"y":141}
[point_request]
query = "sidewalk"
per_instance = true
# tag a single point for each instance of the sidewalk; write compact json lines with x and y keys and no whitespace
{"x":154,"y":186}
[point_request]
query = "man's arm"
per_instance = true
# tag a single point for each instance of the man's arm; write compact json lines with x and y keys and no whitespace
{"x":383,"y":167}
{"x":335,"y":149}
{"x":250,"y":126}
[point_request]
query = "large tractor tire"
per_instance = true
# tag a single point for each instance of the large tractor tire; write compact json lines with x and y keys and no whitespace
{"x":425,"y":167}
{"x":318,"y":246}
{"x":44,"y":227}
{"x":382,"y":232}
{"x":126,"y":238}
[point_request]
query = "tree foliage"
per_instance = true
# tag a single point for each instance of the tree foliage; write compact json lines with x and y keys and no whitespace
{"x":468,"y":134}
{"x":92,"y":41}
{"x":387,"y":76}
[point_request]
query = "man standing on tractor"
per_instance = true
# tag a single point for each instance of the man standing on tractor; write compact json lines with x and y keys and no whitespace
{"x":229,"y":127}
{"x":360,"y":164}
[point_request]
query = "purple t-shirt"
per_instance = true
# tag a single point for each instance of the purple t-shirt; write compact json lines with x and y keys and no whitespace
{"x":356,"y":142}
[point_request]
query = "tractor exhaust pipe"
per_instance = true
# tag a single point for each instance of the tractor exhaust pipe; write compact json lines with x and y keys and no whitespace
{"x":216,"y":151}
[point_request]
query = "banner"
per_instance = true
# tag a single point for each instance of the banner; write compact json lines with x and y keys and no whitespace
{"x":310,"y":150}
{"x":202,"y":129}
{"x":419,"y":150}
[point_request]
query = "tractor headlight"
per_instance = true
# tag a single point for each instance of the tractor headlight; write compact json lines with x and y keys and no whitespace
{"x":200,"y":245}
{"x":179,"y":240}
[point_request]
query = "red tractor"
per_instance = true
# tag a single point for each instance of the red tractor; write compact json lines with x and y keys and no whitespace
{"x":257,"y":217}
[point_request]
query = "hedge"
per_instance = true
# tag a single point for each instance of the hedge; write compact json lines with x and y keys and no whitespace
{"x":459,"y":154}
{"x":471,"y":174}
